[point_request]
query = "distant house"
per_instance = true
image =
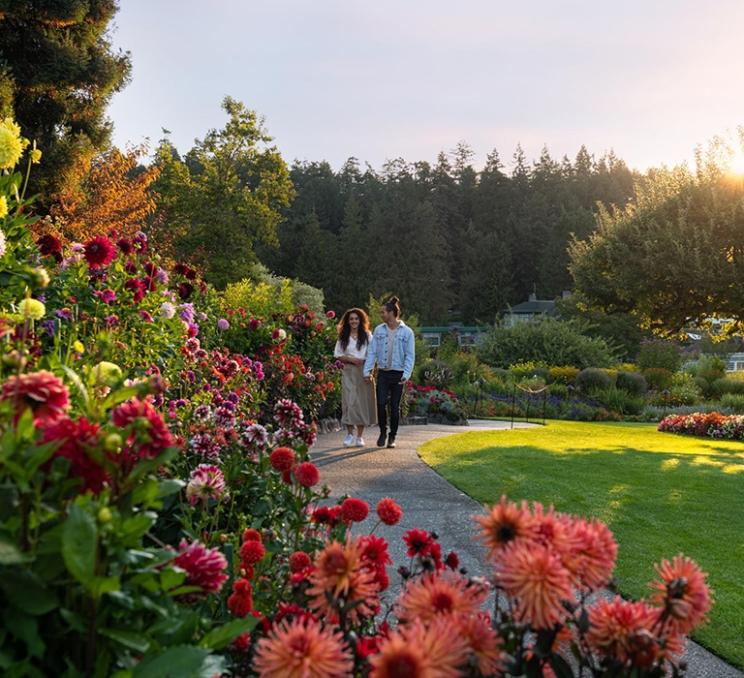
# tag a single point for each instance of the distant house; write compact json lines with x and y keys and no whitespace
{"x":465,"y":335}
{"x":529,"y":310}
{"x":735,"y":362}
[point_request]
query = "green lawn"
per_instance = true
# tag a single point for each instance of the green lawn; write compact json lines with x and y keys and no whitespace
{"x":661,"y":494}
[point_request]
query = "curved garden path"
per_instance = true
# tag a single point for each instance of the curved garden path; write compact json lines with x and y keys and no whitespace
{"x":431,"y":503}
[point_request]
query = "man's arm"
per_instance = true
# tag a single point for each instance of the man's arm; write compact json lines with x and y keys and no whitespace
{"x":410,"y":356}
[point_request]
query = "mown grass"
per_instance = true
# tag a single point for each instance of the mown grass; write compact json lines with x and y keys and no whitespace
{"x":661,"y":494}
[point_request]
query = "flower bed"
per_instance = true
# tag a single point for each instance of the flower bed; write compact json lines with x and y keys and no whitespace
{"x":435,"y":403}
{"x":159,"y":513}
{"x":710,"y":424}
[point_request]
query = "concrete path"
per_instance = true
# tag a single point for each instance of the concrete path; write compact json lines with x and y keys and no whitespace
{"x":431,"y":503}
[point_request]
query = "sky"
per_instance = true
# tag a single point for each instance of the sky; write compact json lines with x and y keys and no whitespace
{"x":409,"y":78}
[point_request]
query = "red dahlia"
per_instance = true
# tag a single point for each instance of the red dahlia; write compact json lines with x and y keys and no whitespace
{"x":147,"y":433}
{"x":49,"y":246}
{"x":240,"y":602}
{"x":307,"y":474}
{"x":74,"y":438}
{"x":251,"y":535}
{"x":252,"y":552}
{"x":282,"y":459}
{"x":389,"y":511}
{"x":298,"y":561}
{"x":99,"y":252}
{"x":354,"y":510}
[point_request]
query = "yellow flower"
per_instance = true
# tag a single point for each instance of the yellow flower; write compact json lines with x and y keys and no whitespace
{"x":3,"y":207}
{"x":106,"y":373}
{"x":78,"y":346}
{"x":32,"y":308}
{"x":11,"y":144}
{"x":35,"y":156}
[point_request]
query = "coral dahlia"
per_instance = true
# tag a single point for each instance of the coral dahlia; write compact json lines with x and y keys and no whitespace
{"x":683,"y":593}
{"x":433,"y":595}
{"x":503,"y":524}
{"x":303,"y":649}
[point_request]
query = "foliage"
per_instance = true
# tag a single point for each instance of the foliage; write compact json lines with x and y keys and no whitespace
{"x":659,"y":354}
{"x":224,"y":197}
{"x":673,"y":257}
{"x":467,"y":240}
{"x":437,"y":373}
{"x":709,"y":367}
{"x":727,"y":385}
{"x":631,"y":382}
{"x":733,"y":402}
{"x":59,"y":88}
{"x":657,"y":378}
{"x":114,"y":196}
{"x":592,"y":379}
{"x":682,"y":391}
{"x":553,"y":342}
{"x":564,"y":374}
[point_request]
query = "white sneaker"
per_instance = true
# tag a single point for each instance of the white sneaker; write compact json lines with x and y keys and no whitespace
{"x":349,"y":440}
{"x":359,"y":442}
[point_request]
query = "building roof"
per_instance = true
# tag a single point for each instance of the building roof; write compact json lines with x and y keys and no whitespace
{"x":534,"y":306}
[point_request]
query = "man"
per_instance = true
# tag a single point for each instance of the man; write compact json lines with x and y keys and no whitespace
{"x":393,"y":350}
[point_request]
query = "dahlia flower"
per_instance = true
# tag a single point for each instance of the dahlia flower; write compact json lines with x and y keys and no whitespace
{"x":683,"y":593}
{"x":204,"y":567}
{"x":303,"y":649}
{"x":342,"y":579}
{"x":206,"y":482}
{"x":307,"y":474}
{"x":31,"y":308}
{"x":282,"y":459}
{"x":299,"y":561}
{"x":433,"y":595}
{"x":73,"y":439}
{"x":11,"y":143}
{"x":240,"y":601}
{"x":44,"y":393}
{"x":591,"y":555}
{"x":534,"y":576}
{"x":251,"y":552}
{"x":388,"y":511}
{"x":147,"y":433}
{"x":504,"y":523}
{"x":484,"y":644}
{"x":99,"y":252}
{"x":354,"y":510}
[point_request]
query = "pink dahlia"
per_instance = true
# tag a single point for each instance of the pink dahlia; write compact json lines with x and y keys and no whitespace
{"x":44,"y":393}
{"x":205,"y":567}
{"x":206,"y":482}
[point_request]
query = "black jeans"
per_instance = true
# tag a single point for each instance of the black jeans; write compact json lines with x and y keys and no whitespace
{"x":389,"y":388}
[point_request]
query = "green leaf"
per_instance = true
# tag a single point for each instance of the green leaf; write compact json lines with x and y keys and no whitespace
{"x":10,"y":554}
{"x":100,"y":585}
{"x":561,"y":667}
{"x":169,"y":487}
{"x":79,"y":540}
{"x":25,"y":628}
{"x":223,"y":635}
{"x":130,"y":639}
{"x":137,"y":525}
{"x":185,"y":661}
{"x":27,"y":592}
{"x":78,"y":383}
{"x":119,"y":396}
{"x":170,"y":578}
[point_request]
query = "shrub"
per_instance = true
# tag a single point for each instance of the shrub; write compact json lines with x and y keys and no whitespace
{"x":437,"y":373}
{"x":734,"y":402}
{"x":564,"y":375}
{"x":593,"y":379}
{"x":551,"y":342}
{"x":659,"y":354}
{"x":726,"y":385}
{"x":632,"y":383}
{"x":559,"y":389}
{"x":658,"y":378}
{"x":710,"y":368}
{"x":527,"y":369}
{"x":682,"y":391}
{"x":620,"y":401}
{"x":703,"y":385}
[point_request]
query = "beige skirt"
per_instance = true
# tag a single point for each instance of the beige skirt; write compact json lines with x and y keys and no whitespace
{"x":358,"y":405}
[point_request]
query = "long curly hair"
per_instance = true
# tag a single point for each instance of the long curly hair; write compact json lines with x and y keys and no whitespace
{"x":344,"y":328}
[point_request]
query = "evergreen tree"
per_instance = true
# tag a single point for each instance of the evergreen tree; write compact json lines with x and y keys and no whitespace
{"x":58,"y":72}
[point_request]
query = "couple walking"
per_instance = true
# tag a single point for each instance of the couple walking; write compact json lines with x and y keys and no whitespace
{"x":391,"y":348}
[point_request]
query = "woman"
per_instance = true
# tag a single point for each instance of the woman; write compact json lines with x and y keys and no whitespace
{"x":358,"y":408}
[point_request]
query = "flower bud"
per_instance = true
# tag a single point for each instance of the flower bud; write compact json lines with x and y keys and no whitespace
{"x":112,"y":442}
{"x":104,"y":515}
{"x":40,"y":277}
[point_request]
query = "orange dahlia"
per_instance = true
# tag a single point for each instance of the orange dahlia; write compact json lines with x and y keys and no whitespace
{"x":683,"y":593}
{"x":484,"y":644}
{"x":592,"y":553}
{"x":418,"y":651}
{"x":302,"y":649}
{"x":433,"y":594}
{"x":623,"y":630}
{"x":503,"y":524}
{"x":533,"y":575}
{"x":342,"y":579}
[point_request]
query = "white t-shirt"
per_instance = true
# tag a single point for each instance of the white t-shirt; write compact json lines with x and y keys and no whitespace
{"x":351,"y":349}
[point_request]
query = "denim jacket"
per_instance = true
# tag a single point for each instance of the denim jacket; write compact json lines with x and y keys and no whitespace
{"x":404,"y":350}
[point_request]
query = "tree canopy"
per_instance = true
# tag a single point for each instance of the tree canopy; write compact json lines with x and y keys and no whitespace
{"x":675,"y":256}
{"x":58,"y":72}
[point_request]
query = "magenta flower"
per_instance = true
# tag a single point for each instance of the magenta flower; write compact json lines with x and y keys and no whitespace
{"x":223,"y":324}
{"x":204,"y":567}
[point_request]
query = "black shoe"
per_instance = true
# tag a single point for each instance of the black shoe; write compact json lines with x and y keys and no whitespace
{"x":391,"y":441}
{"x":381,"y":440}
